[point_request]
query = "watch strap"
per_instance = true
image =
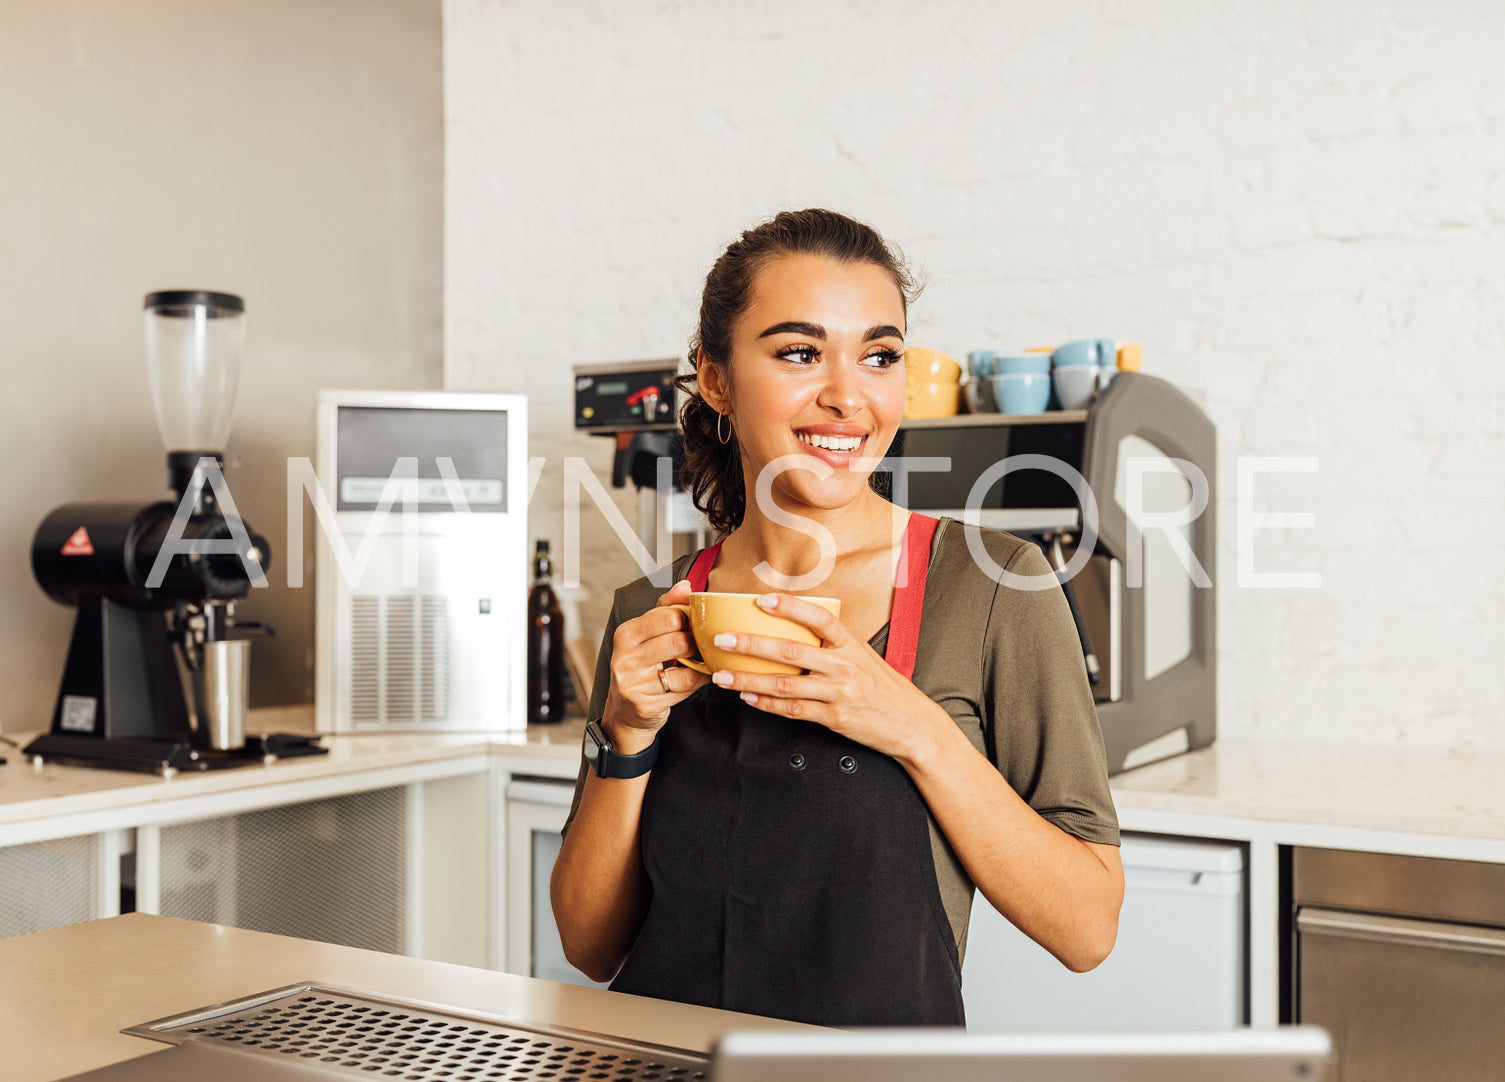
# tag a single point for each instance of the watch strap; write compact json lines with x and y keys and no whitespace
{"x":611,"y":763}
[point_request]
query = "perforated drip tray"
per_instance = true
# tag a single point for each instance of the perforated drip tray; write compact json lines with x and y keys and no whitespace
{"x":379,"y":1037}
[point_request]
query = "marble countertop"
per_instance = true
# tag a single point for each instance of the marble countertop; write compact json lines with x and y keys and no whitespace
{"x":28,"y":792}
{"x":1367,"y":788}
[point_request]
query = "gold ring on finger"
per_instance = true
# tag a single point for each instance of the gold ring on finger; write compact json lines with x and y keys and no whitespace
{"x":663,"y":681}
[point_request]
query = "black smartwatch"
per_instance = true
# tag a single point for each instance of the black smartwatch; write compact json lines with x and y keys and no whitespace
{"x":608,"y":762}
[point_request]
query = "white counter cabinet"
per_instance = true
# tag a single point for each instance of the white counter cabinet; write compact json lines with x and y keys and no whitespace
{"x":409,"y":832}
{"x":392,"y":843}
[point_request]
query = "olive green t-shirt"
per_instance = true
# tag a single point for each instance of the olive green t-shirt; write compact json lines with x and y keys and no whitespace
{"x":1005,"y":663}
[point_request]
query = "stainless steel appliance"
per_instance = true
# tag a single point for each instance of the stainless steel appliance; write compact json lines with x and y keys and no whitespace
{"x":1143,"y":600}
{"x":1403,"y":960}
{"x":158,"y":666}
{"x":320,"y":1033}
{"x":421,"y":605}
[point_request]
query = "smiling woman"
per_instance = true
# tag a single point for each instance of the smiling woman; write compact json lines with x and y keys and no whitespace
{"x":814,"y":240}
{"x":811,"y":404}
{"x":806,"y":846}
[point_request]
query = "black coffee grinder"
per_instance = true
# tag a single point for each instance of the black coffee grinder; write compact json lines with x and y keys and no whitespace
{"x":157,"y":670}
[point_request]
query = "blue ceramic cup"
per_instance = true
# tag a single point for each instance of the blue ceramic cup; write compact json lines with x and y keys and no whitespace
{"x":1086,"y":351}
{"x":982,"y":363}
{"x":1021,"y":392}
{"x":1019,"y":364}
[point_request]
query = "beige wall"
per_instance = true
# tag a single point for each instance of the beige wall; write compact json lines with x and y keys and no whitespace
{"x":287,"y":151}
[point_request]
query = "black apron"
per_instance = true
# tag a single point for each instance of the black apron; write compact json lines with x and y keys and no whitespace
{"x":790,"y":867}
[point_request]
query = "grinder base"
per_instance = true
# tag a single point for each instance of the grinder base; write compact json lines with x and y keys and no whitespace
{"x":166,"y":755}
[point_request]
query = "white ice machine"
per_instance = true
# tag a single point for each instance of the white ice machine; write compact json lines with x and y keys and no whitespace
{"x":422,"y":581}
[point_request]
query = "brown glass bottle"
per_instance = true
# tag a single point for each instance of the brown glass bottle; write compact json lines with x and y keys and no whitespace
{"x":545,"y":645}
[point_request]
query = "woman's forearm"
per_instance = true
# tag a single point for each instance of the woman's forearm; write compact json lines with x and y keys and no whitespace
{"x":1062,"y":892}
{"x":599,"y":890}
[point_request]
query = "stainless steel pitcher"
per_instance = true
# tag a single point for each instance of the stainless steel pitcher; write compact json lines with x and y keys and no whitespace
{"x":227,"y":693}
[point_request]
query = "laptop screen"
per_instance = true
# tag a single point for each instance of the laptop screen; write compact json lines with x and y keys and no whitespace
{"x":1299,"y":1053}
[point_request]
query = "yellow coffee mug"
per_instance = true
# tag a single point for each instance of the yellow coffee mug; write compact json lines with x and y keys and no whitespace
{"x":930,"y":366}
{"x":712,"y":613}
{"x":932,"y":400}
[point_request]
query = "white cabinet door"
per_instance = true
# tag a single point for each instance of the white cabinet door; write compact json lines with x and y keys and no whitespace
{"x":1178,"y":964}
{"x":332,"y":870}
{"x":536,"y":811}
{"x":403,"y":869}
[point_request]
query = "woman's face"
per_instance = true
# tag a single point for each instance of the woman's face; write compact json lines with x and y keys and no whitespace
{"x":817,"y":372}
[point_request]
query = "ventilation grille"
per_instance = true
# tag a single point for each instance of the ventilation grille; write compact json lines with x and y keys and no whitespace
{"x":48,"y":884}
{"x":373,"y":1037}
{"x":433,"y":660}
{"x":401,"y":641}
{"x":365,"y":659}
{"x":399,"y":659}
{"x":330,"y":870}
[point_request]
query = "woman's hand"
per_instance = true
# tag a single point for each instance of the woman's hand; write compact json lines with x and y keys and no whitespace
{"x":643,"y":685}
{"x":849,"y":688}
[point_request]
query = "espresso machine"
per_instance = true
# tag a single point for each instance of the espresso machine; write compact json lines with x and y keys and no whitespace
{"x":157,"y":671}
{"x":1142,"y":597}
{"x":634,"y":403}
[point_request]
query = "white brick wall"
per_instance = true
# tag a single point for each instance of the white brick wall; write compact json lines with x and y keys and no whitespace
{"x":1299,"y":209}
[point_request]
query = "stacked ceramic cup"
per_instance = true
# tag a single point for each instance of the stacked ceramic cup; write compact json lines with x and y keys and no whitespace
{"x":932,"y":386}
{"x":982,"y":364}
{"x":1004,"y":382}
{"x":1081,"y":369}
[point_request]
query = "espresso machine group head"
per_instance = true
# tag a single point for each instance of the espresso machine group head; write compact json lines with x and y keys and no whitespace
{"x":157,"y":667}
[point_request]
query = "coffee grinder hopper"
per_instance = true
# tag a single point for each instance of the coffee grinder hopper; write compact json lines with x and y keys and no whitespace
{"x":194,"y":344}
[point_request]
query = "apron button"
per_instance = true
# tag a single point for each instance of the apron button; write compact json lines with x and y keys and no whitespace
{"x":797,"y":761}
{"x":848,"y":765}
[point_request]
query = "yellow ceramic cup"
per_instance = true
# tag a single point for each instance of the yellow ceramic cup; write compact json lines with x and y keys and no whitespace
{"x":932,"y":399}
{"x":930,"y":366}
{"x":712,"y":613}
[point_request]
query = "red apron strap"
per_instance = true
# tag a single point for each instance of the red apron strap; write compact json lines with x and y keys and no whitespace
{"x":909,"y":597}
{"x":700,"y":570}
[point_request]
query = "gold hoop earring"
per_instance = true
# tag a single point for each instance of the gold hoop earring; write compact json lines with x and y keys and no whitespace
{"x":728,"y":437}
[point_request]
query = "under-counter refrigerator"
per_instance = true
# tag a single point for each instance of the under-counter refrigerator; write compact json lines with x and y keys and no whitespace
{"x":1178,"y":963}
